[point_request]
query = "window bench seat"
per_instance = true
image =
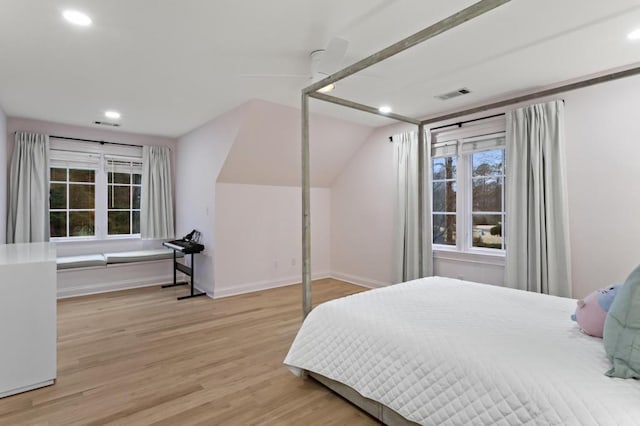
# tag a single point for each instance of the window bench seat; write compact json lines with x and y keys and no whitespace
{"x":90,"y":260}
{"x":84,"y":261}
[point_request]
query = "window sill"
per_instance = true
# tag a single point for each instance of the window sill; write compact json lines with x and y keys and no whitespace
{"x":134,"y":237}
{"x":94,"y":240}
{"x":484,"y":257}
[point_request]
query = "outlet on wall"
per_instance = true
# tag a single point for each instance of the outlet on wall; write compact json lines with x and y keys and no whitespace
{"x":275,"y":264}
{"x":293,"y":261}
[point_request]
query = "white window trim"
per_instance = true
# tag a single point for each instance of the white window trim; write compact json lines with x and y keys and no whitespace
{"x":107,"y":169}
{"x":464,"y":219}
{"x":71,"y":152}
{"x":472,"y":257}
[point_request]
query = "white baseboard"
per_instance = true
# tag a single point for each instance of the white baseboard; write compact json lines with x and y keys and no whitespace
{"x":85,"y":290}
{"x":361,"y":281}
{"x":220,"y":292}
{"x":122,"y":276}
{"x":26,"y":388}
{"x":238,"y":289}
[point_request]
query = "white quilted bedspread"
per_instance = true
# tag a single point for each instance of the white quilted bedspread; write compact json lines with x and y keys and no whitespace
{"x":441,"y":351}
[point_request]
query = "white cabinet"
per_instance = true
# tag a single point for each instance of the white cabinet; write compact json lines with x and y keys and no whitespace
{"x":27,"y":317}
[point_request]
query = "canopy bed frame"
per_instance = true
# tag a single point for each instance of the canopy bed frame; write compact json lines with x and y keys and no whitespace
{"x":440,"y":27}
{"x":374,"y":408}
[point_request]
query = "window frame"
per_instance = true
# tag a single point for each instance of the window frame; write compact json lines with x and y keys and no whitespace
{"x":469,"y":205}
{"x":95,"y":158}
{"x":492,"y":129}
{"x":68,"y":210}
{"x":131,"y":185}
{"x":446,"y":213}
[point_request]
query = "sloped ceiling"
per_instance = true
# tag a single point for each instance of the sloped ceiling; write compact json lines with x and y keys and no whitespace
{"x":267,"y":148}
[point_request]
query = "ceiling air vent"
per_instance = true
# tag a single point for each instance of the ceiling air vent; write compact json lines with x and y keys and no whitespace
{"x":453,"y":94}
{"x":106,"y":123}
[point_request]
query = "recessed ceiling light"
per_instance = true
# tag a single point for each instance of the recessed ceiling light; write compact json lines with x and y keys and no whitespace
{"x":385,"y":109}
{"x":634,"y":35}
{"x":77,"y":18}
{"x":114,"y":115}
{"x":327,"y":89}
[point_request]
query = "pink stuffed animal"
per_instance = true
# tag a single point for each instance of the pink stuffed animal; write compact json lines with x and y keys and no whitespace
{"x":592,"y":310}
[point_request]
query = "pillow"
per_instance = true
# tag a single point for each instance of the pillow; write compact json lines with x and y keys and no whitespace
{"x":622,"y":330}
{"x":591,"y":311}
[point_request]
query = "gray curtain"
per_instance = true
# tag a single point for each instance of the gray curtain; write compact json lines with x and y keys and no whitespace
{"x":537,"y":224}
{"x":407,"y":237}
{"x":28,"y":215}
{"x":156,"y":203}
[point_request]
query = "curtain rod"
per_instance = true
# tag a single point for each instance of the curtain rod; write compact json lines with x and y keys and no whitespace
{"x":91,"y":140}
{"x":94,"y":141}
{"x":460,"y":123}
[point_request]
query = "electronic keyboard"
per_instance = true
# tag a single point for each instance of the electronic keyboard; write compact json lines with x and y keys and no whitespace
{"x":184,"y":246}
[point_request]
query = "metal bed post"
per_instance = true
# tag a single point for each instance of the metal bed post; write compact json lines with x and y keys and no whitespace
{"x":421,"y":207}
{"x":475,"y":10}
{"x":306,"y":210}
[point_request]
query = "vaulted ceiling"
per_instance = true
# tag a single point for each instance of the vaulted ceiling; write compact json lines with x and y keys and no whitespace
{"x":169,"y":66}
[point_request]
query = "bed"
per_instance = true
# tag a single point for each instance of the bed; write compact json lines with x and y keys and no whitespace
{"x":444,"y":351}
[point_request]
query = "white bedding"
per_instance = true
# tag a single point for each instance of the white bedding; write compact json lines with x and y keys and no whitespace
{"x":448,"y":352}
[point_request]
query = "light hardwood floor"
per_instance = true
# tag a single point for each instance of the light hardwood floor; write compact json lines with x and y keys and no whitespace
{"x":141,"y":357}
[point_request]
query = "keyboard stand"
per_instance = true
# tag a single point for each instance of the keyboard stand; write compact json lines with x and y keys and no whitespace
{"x":177,"y":266}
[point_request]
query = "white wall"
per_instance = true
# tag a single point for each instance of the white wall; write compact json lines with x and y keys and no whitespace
{"x":4,"y":176}
{"x":201,"y":155}
{"x":258,"y":236}
{"x":92,"y":280}
{"x":267,"y":148}
{"x":603,"y":148}
{"x":603,"y":145}
{"x":362,"y":208}
{"x":257,"y":202}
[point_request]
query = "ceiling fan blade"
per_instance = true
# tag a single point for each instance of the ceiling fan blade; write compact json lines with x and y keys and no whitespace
{"x":333,"y":55}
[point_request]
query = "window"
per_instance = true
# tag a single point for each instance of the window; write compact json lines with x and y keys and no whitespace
{"x":123,"y":197}
{"x":94,"y":195}
{"x":444,"y":200}
{"x":72,"y":202}
{"x":487,"y":192}
{"x":468,"y":191}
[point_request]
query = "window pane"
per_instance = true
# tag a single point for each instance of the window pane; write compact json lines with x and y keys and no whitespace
{"x":444,"y":168}
{"x":136,"y":179}
{"x":444,"y":229}
{"x":77,"y":175}
{"x":81,"y":224}
{"x":119,"y":223}
{"x":119,"y":178}
{"x":444,"y":196}
{"x":119,"y":197}
{"x":136,"y":222}
{"x":487,"y":194}
{"x":136,"y":197}
{"x":58,"y":196}
{"x":58,"y":224}
{"x":488,"y":163}
{"x":59,"y":174}
{"x":82,"y":196}
{"x":487,"y":231}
